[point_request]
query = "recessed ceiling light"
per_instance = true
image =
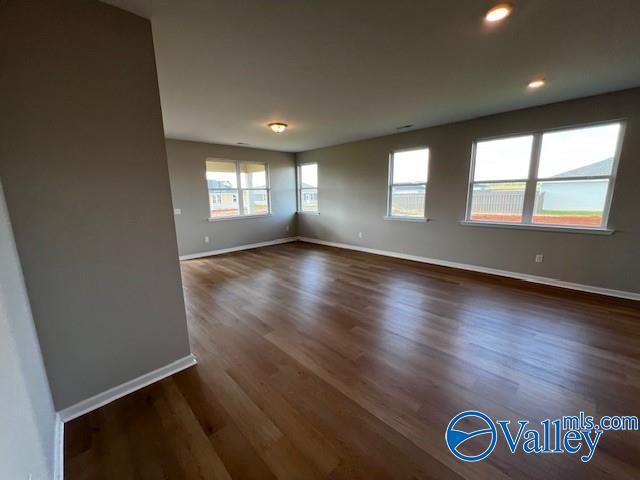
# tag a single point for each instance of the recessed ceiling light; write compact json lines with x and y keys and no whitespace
{"x":278,"y":127}
{"x":537,"y":83}
{"x":498,"y":12}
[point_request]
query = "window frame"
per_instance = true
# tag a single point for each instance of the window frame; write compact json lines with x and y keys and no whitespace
{"x":532,"y":180}
{"x":389,"y":215}
{"x":301,"y":190}
{"x":239,"y":189}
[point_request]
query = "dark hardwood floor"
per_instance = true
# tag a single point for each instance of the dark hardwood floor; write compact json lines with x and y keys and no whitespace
{"x":316,"y":362}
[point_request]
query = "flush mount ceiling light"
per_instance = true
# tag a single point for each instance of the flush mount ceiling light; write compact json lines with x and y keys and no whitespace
{"x":498,"y":12}
{"x":537,"y":83}
{"x":278,"y":127}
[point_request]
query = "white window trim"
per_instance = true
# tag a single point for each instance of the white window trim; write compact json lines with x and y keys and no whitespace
{"x":390,"y":185}
{"x":532,"y":180}
{"x":240,"y":190}
{"x":239,"y":217}
{"x":299,"y":189}
{"x":406,"y":219}
{"x":539,"y":227}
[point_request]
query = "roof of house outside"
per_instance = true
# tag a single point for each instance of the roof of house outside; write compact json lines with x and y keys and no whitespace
{"x":602,"y":167}
{"x":215,"y":184}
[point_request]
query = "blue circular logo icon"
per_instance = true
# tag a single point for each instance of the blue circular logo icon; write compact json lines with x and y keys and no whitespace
{"x":455,"y":438}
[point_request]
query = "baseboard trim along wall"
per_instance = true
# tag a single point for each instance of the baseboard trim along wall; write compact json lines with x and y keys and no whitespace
{"x":238,"y":248}
{"x":58,"y":449}
{"x":474,"y":268}
{"x":97,"y":401}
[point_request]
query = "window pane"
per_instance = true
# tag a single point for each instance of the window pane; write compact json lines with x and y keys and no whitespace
{"x":224,"y":203}
{"x":577,"y":202}
{"x":411,"y":166}
{"x":503,"y":159}
{"x":497,"y":202}
{"x":309,"y":200}
{"x":579,"y":152}
{"x":253,"y":175}
{"x":309,"y":176}
{"x":221,"y":174}
{"x":255,"y":202}
{"x":408,"y":201}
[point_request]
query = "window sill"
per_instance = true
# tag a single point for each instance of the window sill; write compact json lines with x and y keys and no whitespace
{"x":407,"y":219}
{"x":237,"y":217}
{"x":541,"y":228}
{"x":307,"y":213}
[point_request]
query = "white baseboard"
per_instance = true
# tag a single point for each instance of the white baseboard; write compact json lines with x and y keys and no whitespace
{"x":210,"y":253}
{"x":58,"y":449}
{"x":474,"y":268}
{"x":97,"y":401}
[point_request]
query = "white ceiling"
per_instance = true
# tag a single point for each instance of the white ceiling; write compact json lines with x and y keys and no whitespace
{"x":342,"y":70}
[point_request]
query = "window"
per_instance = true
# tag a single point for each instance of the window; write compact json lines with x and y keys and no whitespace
{"x":308,"y":188}
{"x":237,"y":188}
{"x":561,"y":177}
{"x":574,"y":176}
{"x":408,"y":173}
{"x":500,"y":179}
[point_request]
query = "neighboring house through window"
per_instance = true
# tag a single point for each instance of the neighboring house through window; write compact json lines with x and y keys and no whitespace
{"x":559,"y":177}
{"x":237,"y":188}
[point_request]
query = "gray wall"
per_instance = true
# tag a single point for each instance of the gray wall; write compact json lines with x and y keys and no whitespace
{"x":189,"y":191}
{"x":27,"y":416}
{"x":83,"y":164}
{"x":353,"y":186}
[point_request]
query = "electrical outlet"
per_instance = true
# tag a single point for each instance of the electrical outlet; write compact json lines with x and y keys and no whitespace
{"x":206,"y":239}
{"x":539,"y":258}
{"x":359,"y":234}
{"x":287,"y":228}
{"x":177,"y":211}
